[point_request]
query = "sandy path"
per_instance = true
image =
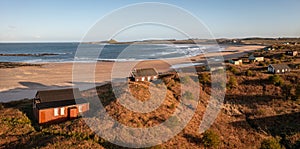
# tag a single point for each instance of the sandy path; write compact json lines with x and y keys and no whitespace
{"x":23,"y":82}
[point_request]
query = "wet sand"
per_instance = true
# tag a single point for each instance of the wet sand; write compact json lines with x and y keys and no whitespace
{"x":23,"y":82}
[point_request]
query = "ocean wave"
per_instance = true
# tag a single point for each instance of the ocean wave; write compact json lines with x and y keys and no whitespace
{"x":162,"y":53}
{"x":187,"y":50}
{"x":121,"y":60}
{"x":31,"y":54}
{"x":34,"y":61}
{"x":85,"y":59}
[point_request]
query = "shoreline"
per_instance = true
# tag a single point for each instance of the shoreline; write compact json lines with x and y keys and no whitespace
{"x":224,"y":48}
{"x":23,"y":82}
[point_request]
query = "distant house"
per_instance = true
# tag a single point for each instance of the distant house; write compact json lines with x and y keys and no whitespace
{"x":144,"y":74}
{"x":292,"y":53}
{"x":278,"y":68}
{"x":252,"y":58}
{"x":58,"y":105}
{"x":236,"y":61}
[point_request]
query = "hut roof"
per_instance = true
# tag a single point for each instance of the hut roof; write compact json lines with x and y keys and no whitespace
{"x":144,"y":72}
{"x":280,"y":66}
{"x":215,"y":65}
{"x":58,"y":95}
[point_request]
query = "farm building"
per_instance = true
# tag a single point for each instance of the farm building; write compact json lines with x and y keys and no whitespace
{"x":58,"y":105}
{"x":278,"y":68}
{"x":292,"y":53}
{"x":144,"y":74}
{"x":236,"y":61}
{"x":252,"y":58}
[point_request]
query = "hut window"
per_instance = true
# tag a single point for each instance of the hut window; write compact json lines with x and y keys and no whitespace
{"x":55,"y":111}
{"x":62,"y":111}
{"x":80,"y":108}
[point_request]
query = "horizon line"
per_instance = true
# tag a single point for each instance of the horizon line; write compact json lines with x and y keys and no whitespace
{"x":162,"y":39}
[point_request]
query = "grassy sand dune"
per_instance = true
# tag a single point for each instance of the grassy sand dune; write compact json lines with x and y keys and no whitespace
{"x":246,"y":119}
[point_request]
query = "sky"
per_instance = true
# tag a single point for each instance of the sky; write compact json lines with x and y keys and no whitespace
{"x":71,"y":20}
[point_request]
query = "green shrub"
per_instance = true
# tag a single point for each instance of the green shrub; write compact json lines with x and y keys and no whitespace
{"x":210,"y":139}
{"x":233,"y":70}
{"x":273,"y":60}
{"x":204,"y":78}
{"x":282,"y":57}
{"x":232,"y":82}
{"x":188,"y":95}
{"x":249,"y":73}
{"x":185,"y":80}
{"x":270,"y":144}
{"x":172,"y":106}
{"x":15,"y":121}
{"x":276,"y":80}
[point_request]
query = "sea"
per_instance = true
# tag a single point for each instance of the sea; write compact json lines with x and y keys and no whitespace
{"x":79,"y":52}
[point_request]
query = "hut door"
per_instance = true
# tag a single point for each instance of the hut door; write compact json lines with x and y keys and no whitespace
{"x":42,"y":118}
{"x":72,"y":112}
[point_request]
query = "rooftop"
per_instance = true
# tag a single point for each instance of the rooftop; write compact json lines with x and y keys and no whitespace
{"x":58,"y":95}
{"x":280,"y":66}
{"x":144,"y":72}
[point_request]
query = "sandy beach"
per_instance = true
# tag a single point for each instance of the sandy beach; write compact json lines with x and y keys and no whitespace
{"x":23,"y":82}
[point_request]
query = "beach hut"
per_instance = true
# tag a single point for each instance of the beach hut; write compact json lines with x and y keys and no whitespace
{"x":292,"y":53}
{"x":144,"y":74}
{"x":236,"y":61}
{"x":58,"y":105}
{"x":278,"y":68}
{"x":268,"y":48}
{"x":252,"y":58}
